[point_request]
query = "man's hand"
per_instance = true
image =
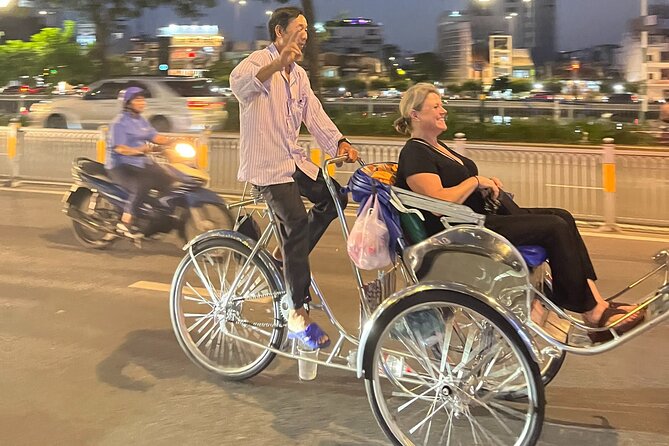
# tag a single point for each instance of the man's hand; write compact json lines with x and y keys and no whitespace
{"x":348,"y":150}
{"x":292,"y":51}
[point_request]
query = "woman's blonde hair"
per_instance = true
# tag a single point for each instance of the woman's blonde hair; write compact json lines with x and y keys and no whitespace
{"x":412,"y":99}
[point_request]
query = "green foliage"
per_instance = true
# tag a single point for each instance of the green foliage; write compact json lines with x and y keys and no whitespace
{"x":52,"y":51}
{"x":379,"y":84}
{"x":518,"y":85}
{"x":355,"y":85}
{"x":632,"y":87}
{"x":400,"y":84}
{"x":500,"y":84}
{"x":553,"y":87}
{"x":471,"y":86}
{"x":220,"y":71}
{"x":331,"y":82}
{"x":427,"y":67}
{"x":454,"y":88}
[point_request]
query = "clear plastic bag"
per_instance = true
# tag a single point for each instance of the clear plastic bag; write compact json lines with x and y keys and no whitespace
{"x":367,"y":244}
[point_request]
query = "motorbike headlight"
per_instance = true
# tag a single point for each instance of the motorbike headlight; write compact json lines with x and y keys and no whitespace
{"x":185,"y":150}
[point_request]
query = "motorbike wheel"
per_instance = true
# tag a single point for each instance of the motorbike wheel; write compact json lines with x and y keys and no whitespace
{"x":87,"y":235}
{"x":207,"y":218}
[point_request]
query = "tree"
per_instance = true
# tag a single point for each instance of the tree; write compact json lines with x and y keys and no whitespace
{"x":220,"y":71}
{"x":355,"y":85}
{"x":106,"y":15}
{"x":520,"y":85}
{"x":52,"y":53}
{"x":500,"y":84}
{"x":379,"y":84}
{"x":471,"y":86}
{"x":427,"y":67}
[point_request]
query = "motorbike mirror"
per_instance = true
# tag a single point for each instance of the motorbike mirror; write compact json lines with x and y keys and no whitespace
{"x":185,"y":150}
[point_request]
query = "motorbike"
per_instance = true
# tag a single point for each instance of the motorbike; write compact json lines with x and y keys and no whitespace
{"x":95,"y":203}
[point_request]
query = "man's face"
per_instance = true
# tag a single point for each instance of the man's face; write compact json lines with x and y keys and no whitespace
{"x":296,"y":26}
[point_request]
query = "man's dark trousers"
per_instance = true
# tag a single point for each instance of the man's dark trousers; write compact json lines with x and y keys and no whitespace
{"x":300,"y":230}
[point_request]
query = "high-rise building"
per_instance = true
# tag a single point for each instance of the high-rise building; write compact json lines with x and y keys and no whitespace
{"x":657,"y":52}
{"x":358,"y":35}
{"x":531,"y":23}
{"x":454,"y":45}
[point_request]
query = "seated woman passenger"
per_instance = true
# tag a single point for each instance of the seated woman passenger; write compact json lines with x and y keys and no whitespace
{"x":428,"y":167}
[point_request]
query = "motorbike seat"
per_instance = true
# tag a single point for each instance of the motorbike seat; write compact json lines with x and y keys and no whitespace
{"x":93,"y":169}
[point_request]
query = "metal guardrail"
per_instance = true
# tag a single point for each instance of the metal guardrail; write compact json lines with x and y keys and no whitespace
{"x":514,"y":108}
{"x":568,"y":177}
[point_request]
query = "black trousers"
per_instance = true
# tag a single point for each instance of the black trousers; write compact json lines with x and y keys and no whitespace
{"x":300,"y":230}
{"x":139,"y":181}
{"x":555,"y":230}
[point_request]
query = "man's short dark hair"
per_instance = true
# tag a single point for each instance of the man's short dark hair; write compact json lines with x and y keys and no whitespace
{"x":282,"y":17}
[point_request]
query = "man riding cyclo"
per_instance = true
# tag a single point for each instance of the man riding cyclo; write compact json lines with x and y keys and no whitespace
{"x":275,"y":99}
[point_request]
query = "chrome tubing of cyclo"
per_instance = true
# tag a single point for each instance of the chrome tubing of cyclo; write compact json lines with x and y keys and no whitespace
{"x":340,"y":211}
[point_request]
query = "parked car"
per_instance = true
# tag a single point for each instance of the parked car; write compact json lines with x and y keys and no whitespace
{"x":173,"y":105}
{"x":621,"y":98}
{"x":541,"y":96}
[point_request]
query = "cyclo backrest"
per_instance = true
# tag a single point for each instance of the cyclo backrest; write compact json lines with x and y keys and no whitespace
{"x":380,"y":178}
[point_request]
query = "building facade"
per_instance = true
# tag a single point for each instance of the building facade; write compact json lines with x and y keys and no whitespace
{"x":359,"y":36}
{"x":656,"y":65}
{"x":531,"y":23}
{"x":454,"y":46}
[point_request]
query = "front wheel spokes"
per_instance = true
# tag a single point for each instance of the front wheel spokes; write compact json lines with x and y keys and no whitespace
{"x":458,"y":401}
{"x":217,"y":314}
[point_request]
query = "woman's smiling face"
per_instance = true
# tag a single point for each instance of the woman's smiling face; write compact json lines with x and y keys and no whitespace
{"x":431,"y":116}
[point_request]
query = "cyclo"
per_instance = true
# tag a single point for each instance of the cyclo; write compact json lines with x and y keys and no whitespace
{"x":449,"y":356}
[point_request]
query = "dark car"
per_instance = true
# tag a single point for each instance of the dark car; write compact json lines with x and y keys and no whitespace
{"x":621,"y":98}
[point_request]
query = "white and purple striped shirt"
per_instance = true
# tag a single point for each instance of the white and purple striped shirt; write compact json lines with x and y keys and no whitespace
{"x":270,"y":116}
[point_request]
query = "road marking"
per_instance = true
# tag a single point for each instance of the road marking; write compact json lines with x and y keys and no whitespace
{"x":34,"y":191}
{"x":625,"y":237}
{"x":163,"y":287}
{"x":151,"y":286}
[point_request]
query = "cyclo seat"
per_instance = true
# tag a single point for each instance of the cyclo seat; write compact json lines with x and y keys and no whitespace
{"x":377,"y":177}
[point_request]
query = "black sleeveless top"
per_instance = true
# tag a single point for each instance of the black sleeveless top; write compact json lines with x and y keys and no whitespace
{"x":418,"y":156}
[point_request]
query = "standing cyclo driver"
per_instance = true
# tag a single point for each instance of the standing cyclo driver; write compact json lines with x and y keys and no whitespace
{"x":275,"y":98}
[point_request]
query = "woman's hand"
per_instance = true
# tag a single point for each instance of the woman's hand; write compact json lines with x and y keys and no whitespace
{"x":489,"y":184}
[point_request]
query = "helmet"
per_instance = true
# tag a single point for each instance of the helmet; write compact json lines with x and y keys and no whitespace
{"x":130,"y":94}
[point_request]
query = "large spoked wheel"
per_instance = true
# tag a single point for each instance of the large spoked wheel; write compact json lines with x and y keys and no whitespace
{"x":88,"y":235}
{"x":225,"y":309}
{"x":441,"y":364}
{"x":550,"y":361}
{"x":207,"y":217}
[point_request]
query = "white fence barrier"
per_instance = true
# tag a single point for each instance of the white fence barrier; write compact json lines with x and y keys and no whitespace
{"x":567,"y":177}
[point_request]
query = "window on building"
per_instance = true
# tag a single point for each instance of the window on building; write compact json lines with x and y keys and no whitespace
{"x":664,"y":56}
{"x":650,"y":58}
{"x":664,"y":74}
{"x":650,"y":76}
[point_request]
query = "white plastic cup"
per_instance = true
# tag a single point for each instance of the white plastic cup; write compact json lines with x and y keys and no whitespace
{"x":307,"y":370}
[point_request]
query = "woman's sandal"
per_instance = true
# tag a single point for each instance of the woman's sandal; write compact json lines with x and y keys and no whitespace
{"x":623,"y":327}
{"x":310,"y":336}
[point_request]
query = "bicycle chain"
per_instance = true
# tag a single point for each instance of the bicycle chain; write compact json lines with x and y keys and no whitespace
{"x":271,"y":295}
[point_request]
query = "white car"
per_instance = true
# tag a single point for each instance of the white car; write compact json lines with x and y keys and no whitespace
{"x":173,"y":104}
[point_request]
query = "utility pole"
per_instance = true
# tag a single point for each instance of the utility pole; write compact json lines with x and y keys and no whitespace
{"x":644,"y":61}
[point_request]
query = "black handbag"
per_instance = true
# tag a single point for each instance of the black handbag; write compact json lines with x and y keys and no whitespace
{"x":503,"y":205}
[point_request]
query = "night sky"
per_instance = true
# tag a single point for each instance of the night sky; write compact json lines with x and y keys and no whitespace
{"x":411,"y":24}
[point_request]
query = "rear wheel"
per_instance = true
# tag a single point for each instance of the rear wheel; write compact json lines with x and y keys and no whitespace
{"x":207,"y":217}
{"x":441,"y":365}
{"x":88,"y":234}
{"x":218,"y":301}
{"x":56,"y":122}
{"x":161,"y":124}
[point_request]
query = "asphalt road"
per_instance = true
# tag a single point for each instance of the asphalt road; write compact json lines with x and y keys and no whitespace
{"x":85,"y":359}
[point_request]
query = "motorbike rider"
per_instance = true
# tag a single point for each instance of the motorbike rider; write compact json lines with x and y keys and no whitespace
{"x":127,"y":162}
